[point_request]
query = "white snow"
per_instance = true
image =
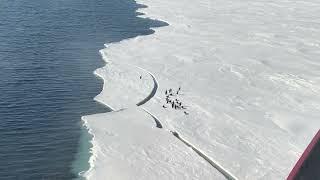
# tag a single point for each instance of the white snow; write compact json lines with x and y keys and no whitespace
{"x":249,"y":73}
{"x":127,"y":145}
{"x":123,"y":80}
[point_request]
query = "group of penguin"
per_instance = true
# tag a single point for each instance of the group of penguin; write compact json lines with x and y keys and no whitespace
{"x":174,"y":103}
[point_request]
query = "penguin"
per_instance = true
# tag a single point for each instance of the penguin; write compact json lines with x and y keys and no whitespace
{"x":185,"y":113}
{"x":178,"y":90}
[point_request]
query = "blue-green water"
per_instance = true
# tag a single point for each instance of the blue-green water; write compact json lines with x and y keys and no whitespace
{"x":48,"y":52}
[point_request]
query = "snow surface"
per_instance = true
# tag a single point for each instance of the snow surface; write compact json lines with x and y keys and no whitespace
{"x":250,"y":75}
{"x":129,"y":146}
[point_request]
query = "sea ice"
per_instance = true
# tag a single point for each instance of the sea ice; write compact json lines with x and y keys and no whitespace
{"x":249,"y":74}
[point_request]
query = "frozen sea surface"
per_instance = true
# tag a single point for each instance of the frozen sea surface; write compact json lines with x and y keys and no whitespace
{"x":249,"y":73}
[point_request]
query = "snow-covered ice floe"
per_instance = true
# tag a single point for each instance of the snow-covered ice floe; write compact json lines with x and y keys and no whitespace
{"x":249,"y":76}
{"x":128,"y":145}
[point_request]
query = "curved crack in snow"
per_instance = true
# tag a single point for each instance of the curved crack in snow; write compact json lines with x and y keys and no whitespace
{"x":154,"y":90}
{"x":158,"y":123}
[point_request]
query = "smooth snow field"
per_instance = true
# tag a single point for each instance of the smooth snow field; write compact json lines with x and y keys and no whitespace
{"x":249,"y":74}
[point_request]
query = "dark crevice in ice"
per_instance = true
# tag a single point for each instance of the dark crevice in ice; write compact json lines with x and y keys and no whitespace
{"x":153,"y":92}
{"x":158,"y":123}
{"x":218,"y":167}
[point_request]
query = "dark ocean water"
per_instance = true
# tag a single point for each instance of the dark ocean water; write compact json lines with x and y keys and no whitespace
{"x":48,"y":52}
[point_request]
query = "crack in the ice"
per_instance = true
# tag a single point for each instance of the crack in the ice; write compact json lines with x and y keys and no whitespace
{"x":158,"y":123}
{"x":214,"y":164}
{"x":154,"y":90}
{"x":217,"y":166}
